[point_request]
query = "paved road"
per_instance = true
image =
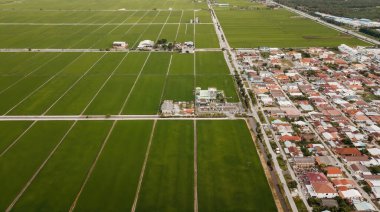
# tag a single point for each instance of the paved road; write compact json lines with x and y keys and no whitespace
{"x":99,"y":50}
{"x":224,"y":44}
{"x":89,"y":24}
{"x":273,"y":173}
{"x":103,"y":117}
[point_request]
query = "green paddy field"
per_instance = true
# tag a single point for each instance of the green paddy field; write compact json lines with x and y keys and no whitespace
{"x":96,"y":165}
{"x":106,"y":83}
{"x":278,"y":28}
{"x":142,"y":165}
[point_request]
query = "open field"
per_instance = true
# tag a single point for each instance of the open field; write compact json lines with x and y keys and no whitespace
{"x":105,"y":83}
{"x":104,"y":5}
{"x":169,"y":169}
{"x":278,"y":28}
{"x":57,"y":166}
{"x":98,"y":29}
{"x":230,"y":175}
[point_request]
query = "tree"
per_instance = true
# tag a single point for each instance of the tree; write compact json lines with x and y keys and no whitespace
{"x":292,"y":184}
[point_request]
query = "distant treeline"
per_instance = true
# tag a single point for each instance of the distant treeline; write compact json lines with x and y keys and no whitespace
{"x":347,"y":8}
{"x":372,"y":32}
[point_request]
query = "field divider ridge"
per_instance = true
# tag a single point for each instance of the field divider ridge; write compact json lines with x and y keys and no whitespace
{"x":91,"y":170}
{"x":142,"y":68}
{"x":30,"y":73}
{"x":74,"y":84}
{"x":179,"y":26}
{"x":104,"y":84}
{"x":43,"y":84}
{"x":17,"y":139}
{"x":133,"y":209}
{"x":15,"y":83}
{"x":166,"y":79}
{"x":195,"y":167}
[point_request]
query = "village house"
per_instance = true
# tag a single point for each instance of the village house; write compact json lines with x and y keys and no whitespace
{"x":333,"y":172}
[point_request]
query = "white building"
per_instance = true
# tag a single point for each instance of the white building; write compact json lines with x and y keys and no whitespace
{"x":188,"y":47}
{"x":146,"y":45}
{"x":322,"y":190}
{"x":348,"y":50}
{"x":351,"y":194}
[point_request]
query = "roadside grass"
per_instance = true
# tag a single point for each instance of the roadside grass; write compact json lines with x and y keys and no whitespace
{"x":277,"y":28}
{"x":169,"y":169}
{"x":113,"y":184}
{"x":19,"y":164}
{"x":230,"y":175}
{"x":60,"y":180}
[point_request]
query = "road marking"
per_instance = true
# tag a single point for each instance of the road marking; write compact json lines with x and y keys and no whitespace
{"x":39,"y":169}
{"x":133,"y":209}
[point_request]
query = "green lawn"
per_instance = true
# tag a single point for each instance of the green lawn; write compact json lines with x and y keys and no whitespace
{"x":117,"y":172}
{"x":230,"y":175}
{"x":278,"y":28}
{"x":168,"y":180}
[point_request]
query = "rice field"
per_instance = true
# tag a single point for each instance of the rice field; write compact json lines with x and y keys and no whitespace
{"x":278,"y":28}
{"x":119,"y":165}
{"x":98,"y":29}
{"x":106,"y":82}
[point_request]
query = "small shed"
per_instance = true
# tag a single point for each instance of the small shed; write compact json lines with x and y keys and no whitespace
{"x":119,"y":45}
